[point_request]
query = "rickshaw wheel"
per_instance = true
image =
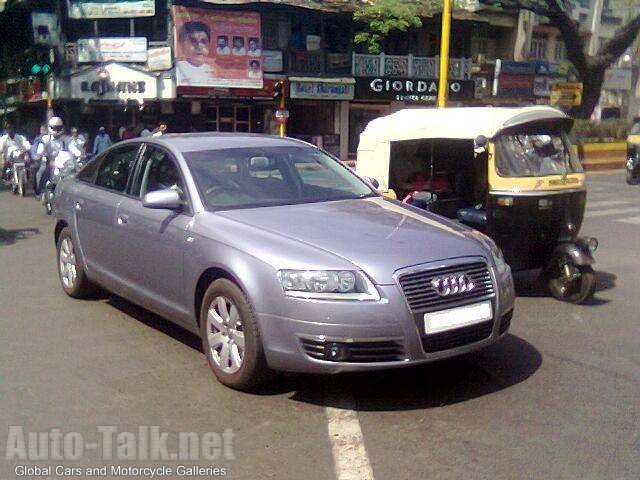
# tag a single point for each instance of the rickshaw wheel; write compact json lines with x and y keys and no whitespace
{"x":631,"y":180}
{"x":578,"y":287}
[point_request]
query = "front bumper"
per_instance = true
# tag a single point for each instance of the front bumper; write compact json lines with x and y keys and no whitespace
{"x":387,"y":327}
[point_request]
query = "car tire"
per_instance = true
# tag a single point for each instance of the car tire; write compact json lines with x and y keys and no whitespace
{"x":228,"y":324}
{"x":71,"y":273}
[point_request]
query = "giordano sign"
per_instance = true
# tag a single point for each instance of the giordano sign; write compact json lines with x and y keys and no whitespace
{"x":410,"y":89}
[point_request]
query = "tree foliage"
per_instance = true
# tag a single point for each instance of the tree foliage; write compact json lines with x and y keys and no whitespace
{"x":381,"y":18}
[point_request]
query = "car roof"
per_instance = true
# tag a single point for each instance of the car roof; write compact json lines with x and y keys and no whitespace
{"x":196,"y":142}
{"x":465,"y":123}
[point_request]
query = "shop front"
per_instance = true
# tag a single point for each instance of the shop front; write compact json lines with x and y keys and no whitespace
{"x":378,"y":96}
{"x":318,"y":109}
{"x":113,"y":96}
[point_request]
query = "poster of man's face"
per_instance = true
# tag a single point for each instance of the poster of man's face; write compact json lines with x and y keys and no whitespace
{"x":195,"y":38}
{"x":45,"y":28}
{"x":211,"y":48}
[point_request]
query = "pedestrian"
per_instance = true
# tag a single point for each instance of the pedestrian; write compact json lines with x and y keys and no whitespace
{"x":77,"y":145}
{"x":121,"y":131}
{"x":160,"y":130}
{"x":128,"y":133}
{"x":145,"y":132}
{"x":102,"y":141}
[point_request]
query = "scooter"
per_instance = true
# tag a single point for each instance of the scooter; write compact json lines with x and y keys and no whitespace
{"x":64,"y":165}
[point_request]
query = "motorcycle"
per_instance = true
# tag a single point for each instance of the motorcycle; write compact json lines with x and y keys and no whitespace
{"x":15,"y":171}
{"x":64,"y":165}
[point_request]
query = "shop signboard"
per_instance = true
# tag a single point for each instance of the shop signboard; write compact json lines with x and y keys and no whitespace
{"x":567,"y":94}
{"x":515,"y":68}
{"x":411,"y":89}
{"x":114,"y":82}
{"x":159,"y":58}
{"x":272,"y":61}
{"x":116,"y":49}
{"x":46,"y":28}
{"x":513,"y":85}
{"x":617,"y":79}
{"x":217,"y":48}
{"x":542,"y":85}
{"x":322,"y":90}
{"x":266,"y":91}
{"x":83,"y":9}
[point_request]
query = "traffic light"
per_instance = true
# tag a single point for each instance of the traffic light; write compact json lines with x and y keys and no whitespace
{"x":40,"y":69}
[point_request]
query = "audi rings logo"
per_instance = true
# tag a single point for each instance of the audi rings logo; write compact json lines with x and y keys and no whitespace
{"x":452,"y":285}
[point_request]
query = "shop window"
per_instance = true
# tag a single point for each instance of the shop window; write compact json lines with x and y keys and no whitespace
{"x":227,"y":118}
{"x":560,"y":51}
{"x":303,"y":124}
{"x":538,"y":47}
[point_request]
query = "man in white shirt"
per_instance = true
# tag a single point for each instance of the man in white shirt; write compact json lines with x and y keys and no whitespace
{"x":11,"y":142}
{"x":222,"y":43}
{"x":238,"y":46}
{"x":194,"y":38}
{"x":254,"y":47}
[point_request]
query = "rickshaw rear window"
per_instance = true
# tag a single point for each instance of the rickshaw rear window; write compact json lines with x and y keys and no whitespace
{"x":635,"y":129}
{"x":535,"y":155}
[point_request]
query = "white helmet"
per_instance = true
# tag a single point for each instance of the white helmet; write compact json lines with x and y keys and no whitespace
{"x":56,"y":126}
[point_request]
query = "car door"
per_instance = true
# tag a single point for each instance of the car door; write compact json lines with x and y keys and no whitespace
{"x":154,"y":239}
{"x":95,"y":207}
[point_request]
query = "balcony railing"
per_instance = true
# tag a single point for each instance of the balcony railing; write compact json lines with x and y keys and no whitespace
{"x":407,"y":66}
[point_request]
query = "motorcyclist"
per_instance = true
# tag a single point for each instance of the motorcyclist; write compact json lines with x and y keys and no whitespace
{"x":50,"y":145}
{"x":12,"y":144}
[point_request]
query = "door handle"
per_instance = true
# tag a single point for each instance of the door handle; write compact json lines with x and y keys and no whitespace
{"x":122,"y":219}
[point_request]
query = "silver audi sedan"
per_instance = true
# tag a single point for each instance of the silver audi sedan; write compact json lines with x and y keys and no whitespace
{"x":278,"y":256}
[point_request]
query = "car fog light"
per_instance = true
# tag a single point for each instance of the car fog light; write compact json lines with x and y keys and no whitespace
{"x":336,"y":352}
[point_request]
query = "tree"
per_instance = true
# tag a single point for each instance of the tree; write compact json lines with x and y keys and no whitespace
{"x":381,"y":18}
{"x":590,"y":68}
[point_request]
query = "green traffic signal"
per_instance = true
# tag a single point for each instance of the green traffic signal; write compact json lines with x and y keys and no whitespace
{"x":40,"y":69}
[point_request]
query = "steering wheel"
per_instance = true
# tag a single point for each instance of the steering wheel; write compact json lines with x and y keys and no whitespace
{"x":228,"y":186}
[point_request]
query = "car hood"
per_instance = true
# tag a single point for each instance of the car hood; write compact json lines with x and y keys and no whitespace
{"x":377,"y":235}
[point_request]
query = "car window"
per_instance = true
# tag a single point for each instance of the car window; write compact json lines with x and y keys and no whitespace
{"x":265,"y":176}
{"x":114,"y":170}
{"x":88,"y":172}
{"x":157,"y":172}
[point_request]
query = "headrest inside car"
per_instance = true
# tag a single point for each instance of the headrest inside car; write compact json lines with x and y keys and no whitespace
{"x":261,"y":163}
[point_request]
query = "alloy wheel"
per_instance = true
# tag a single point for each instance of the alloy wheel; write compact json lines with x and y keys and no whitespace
{"x":225,"y":334}
{"x":67,"y":263}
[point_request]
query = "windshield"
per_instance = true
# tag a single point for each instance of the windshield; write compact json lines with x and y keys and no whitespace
{"x":256,"y":177}
{"x":535,"y":155}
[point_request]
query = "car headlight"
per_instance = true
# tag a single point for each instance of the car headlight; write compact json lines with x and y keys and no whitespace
{"x":327,"y":284}
{"x":56,"y":171}
{"x":496,"y":253}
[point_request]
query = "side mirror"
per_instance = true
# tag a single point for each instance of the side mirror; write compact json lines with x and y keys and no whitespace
{"x":480,"y":144}
{"x":426,"y":197}
{"x":372,"y":181}
{"x":167,"y":199}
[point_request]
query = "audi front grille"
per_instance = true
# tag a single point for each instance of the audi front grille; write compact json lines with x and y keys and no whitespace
{"x":423,"y":297}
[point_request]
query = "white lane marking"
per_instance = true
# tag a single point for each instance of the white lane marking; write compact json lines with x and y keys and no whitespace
{"x":607,"y":203}
{"x":347,"y":444}
{"x":632,"y":220}
{"x":612,"y":211}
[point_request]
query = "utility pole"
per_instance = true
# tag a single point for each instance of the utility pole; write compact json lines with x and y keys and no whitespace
{"x":443,"y":85}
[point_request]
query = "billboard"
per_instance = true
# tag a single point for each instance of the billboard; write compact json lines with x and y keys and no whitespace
{"x":125,"y":49}
{"x":216,"y":48}
{"x":111,"y":8}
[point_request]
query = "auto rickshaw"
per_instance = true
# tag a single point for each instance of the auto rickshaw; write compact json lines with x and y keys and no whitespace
{"x":633,"y":153}
{"x":510,"y":173}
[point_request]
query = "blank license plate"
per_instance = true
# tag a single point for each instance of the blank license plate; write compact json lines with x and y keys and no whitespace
{"x":457,"y":317}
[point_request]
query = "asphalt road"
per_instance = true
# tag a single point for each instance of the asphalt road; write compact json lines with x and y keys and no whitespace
{"x":557,"y":399}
